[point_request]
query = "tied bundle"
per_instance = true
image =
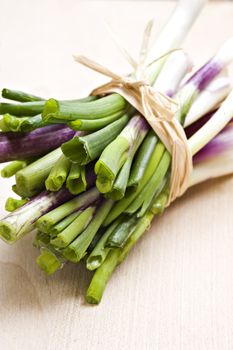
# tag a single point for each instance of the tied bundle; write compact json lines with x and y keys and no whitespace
{"x":92,"y":173}
{"x":156,"y":107}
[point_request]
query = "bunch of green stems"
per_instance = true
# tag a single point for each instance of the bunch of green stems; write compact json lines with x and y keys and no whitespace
{"x":106,"y":212}
{"x":92,"y":226}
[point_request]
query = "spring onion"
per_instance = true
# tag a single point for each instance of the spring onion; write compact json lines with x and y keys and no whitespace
{"x":115,"y":157}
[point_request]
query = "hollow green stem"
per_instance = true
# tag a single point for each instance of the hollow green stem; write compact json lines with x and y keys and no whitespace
{"x":96,"y":124}
{"x":49,"y":261}
{"x":35,"y":107}
{"x":19,"y":96}
{"x":99,"y":253}
{"x":13,"y":123}
{"x":121,"y":182}
{"x":115,"y":256}
{"x":12,"y":168}
{"x":3,"y":126}
{"x":13,"y":203}
{"x":116,"y":153}
{"x":22,"y":109}
{"x":76,"y":180}
{"x":119,"y":187}
{"x":142,"y":226}
{"x":47,"y":221}
{"x":58,"y":174}
{"x":30,"y":180}
{"x":100,"y":108}
{"x":73,"y":230}
{"x":150,"y":196}
{"x":61,"y":225}
{"x":185,"y":96}
{"x":77,"y":249}
{"x":141,"y":160}
{"x":41,"y":240}
{"x":159,"y":203}
{"x":84,"y":149}
{"x":154,"y":185}
{"x":101,"y":276}
{"x":122,"y":232}
{"x":23,"y":124}
{"x":16,"y":191}
{"x":110,"y":162}
{"x":121,"y":205}
{"x":95,"y":240}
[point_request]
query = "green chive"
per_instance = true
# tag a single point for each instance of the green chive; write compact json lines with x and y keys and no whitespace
{"x":13,"y":203}
{"x":101,"y":276}
{"x":58,"y":174}
{"x":122,"y":232}
{"x":155,"y":184}
{"x":41,"y":240}
{"x":61,"y":225}
{"x":100,"y":108}
{"x":47,"y":221}
{"x":84,"y":149}
{"x":30,"y":180}
{"x":141,"y":160}
{"x":121,"y":205}
{"x":48,"y":261}
{"x":160,"y":202}
{"x":115,"y":256}
{"x":93,"y":125}
{"x":77,"y":249}
{"x":65,"y":237}
{"x":76,"y":180}
{"x":116,"y":153}
{"x":12,"y":168}
{"x":19,"y":96}
{"x":99,"y":253}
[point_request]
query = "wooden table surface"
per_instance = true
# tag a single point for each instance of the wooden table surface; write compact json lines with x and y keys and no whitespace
{"x":175,"y":290}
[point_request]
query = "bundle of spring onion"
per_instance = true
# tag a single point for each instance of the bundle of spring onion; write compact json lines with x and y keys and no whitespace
{"x":91,"y":173}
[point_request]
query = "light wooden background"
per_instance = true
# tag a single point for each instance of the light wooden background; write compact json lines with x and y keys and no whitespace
{"x":175,"y":291}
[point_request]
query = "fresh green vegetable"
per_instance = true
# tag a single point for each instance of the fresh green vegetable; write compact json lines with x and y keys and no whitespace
{"x":58,"y":174}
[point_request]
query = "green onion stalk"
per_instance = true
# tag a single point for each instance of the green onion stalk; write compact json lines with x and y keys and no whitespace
{"x":31,"y":105}
{"x":22,"y":124}
{"x":22,"y":220}
{"x":69,"y":228}
{"x":84,"y":149}
{"x":31,"y":179}
{"x":210,"y":163}
{"x":116,"y":159}
{"x":78,"y":225}
{"x":62,"y":224}
{"x":58,"y":174}
{"x":80,"y":178}
{"x":13,"y":167}
{"x":14,"y":203}
{"x":46,"y":222}
{"x":144,"y":194}
{"x":50,"y":260}
{"x":77,"y":249}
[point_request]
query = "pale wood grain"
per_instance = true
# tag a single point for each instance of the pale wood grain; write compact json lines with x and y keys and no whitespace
{"x":175,"y":291}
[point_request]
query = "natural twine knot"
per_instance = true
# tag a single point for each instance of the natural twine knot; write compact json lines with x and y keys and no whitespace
{"x":157,"y":108}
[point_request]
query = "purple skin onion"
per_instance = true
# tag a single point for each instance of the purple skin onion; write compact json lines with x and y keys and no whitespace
{"x":222,"y":142}
{"x":17,"y":146}
{"x":201,"y":78}
{"x":21,"y":221}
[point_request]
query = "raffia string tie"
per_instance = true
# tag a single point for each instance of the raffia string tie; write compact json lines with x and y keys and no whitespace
{"x":157,"y":108}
